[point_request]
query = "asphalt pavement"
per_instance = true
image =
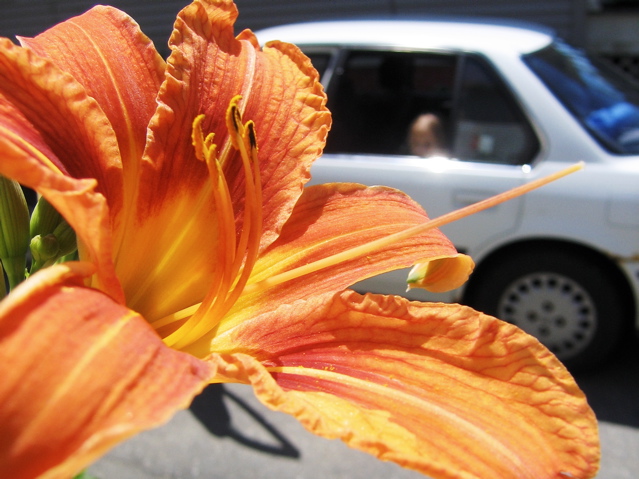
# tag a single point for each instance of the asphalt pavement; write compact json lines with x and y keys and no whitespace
{"x":228,"y":433}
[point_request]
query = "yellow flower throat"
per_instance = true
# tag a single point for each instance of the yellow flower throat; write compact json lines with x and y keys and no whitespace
{"x":235,"y":256}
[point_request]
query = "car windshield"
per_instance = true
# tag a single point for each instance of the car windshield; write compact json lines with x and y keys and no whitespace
{"x":605,"y":102}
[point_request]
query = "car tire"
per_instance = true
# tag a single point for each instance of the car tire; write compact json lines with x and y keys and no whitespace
{"x":571,"y":303}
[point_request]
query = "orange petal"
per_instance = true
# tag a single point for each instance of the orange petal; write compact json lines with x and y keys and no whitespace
{"x":91,"y":47}
{"x":51,"y":131}
{"x":438,"y":388}
{"x":71,"y":124}
{"x":27,"y":159}
{"x":331,"y":219}
{"x":79,"y":374}
{"x":208,"y":67}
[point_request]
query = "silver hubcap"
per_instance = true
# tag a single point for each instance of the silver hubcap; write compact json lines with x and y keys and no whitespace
{"x":553,"y":308}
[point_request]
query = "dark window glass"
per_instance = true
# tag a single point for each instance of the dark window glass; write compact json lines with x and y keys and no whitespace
{"x":378,"y":95}
{"x":425,"y":104}
{"x":489,"y":124}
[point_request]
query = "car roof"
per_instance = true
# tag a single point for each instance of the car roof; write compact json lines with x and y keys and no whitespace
{"x":437,"y":34}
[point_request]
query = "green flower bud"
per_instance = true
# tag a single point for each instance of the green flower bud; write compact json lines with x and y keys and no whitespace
{"x":44,"y":218}
{"x":14,"y":230}
{"x":44,"y":251}
{"x":53,"y":238}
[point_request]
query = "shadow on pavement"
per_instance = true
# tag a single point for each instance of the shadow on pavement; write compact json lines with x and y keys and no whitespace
{"x":210,"y":409}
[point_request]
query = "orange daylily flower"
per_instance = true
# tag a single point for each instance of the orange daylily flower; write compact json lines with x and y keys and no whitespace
{"x":185,"y":184}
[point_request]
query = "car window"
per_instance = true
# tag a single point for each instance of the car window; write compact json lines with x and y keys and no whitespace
{"x":425,"y":104}
{"x":489,"y":124}
{"x":377,"y":95}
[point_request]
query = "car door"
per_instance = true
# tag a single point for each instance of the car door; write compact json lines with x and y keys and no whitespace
{"x":442,"y":127}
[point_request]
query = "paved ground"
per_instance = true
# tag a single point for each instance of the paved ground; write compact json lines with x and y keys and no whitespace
{"x":228,"y":433}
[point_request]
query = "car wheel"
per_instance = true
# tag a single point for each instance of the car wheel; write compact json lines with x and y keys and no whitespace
{"x":569,"y":303}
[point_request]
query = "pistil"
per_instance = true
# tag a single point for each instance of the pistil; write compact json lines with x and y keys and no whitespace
{"x":410,"y":232}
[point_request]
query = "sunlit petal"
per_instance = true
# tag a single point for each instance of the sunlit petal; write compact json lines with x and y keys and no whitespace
{"x":125,"y":90}
{"x":57,"y":107}
{"x":334,"y":219}
{"x":85,"y":210}
{"x":280,"y":93}
{"x":438,"y":388}
{"x":79,"y":374}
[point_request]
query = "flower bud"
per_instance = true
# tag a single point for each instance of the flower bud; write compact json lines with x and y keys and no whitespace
{"x":44,"y":251}
{"x":53,"y":237}
{"x":44,"y":218}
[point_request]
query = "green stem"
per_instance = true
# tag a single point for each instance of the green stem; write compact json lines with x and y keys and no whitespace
{"x":3,"y":284}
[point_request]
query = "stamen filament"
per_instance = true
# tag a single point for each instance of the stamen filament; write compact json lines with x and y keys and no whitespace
{"x":252,"y":209}
{"x":253,"y":196}
{"x":177,"y":316}
{"x":237,"y":258}
{"x":205,"y":151}
{"x":402,"y":235}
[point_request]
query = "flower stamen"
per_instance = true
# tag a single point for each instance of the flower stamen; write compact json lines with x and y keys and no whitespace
{"x":236,"y":257}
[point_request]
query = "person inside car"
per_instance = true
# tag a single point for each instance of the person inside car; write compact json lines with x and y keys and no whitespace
{"x":426,"y":136}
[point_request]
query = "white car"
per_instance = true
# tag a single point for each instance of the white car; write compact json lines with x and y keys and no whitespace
{"x":452,"y":112}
